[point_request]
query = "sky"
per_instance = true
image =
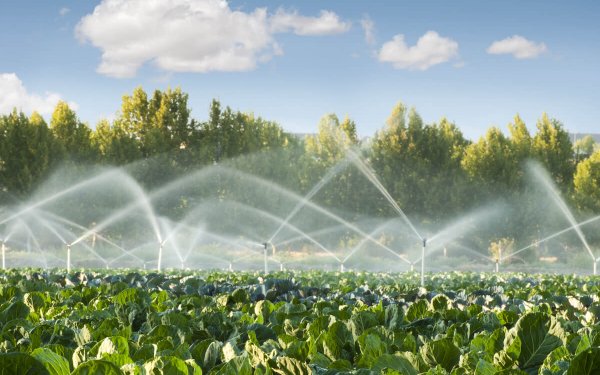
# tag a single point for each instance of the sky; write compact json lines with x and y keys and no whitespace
{"x":477,"y":63}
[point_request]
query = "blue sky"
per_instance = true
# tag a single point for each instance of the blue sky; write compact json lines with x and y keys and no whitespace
{"x":293,"y":62}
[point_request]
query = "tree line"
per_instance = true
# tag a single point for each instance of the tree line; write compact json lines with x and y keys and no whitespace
{"x":431,"y":170}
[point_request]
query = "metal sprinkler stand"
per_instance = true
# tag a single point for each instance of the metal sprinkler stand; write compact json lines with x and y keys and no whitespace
{"x":265,"y":245}
{"x":68,"y":258}
{"x":160,"y":251}
{"x":423,"y":261}
{"x":595,"y":263}
{"x":498,"y":259}
{"x":341,"y":267}
{"x":3,"y":256}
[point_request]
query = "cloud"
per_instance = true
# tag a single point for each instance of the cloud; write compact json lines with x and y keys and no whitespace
{"x":327,"y":23}
{"x":191,"y":35}
{"x":13,"y":94}
{"x":517,"y":46}
{"x":369,"y":29}
{"x":431,"y":49}
{"x":63,"y":11}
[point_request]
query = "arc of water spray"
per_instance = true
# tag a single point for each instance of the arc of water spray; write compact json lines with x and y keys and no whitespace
{"x":290,"y":226}
{"x":328,"y":176}
{"x":34,"y":239}
{"x":564,"y":208}
{"x":142,"y":201}
{"x":55,"y":196}
{"x":280,"y":189}
{"x":131,"y":253}
{"x":98,"y":235}
{"x":368,"y":172}
{"x":216,"y":237}
{"x":473,"y":252}
{"x":65,"y":242}
{"x":554,"y":235}
{"x":316,"y":233}
{"x":365,"y":239}
{"x":293,"y":228}
{"x":223,"y":169}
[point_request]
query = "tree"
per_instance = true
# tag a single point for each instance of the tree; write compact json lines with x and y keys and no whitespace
{"x":170,"y":128}
{"x":114,"y":144}
{"x":228,"y":134}
{"x":332,"y":140}
{"x":520,"y":139}
{"x":552,"y":147}
{"x":73,"y":136}
{"x":160,"y":125}
{"x":27,"y":149}
{"x":418,"y":163}
{"x":492,"y":160}
{"x":586,"y":182}
{"x":584,"y":147}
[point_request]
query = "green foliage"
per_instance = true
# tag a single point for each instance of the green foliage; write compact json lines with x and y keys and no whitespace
{"x":97,"y":367}
{"x":491,"y":160}
{"x":525,"y":325}
{"x":552,"y":146}
{"x":27,"y":151}
{"x":54,"y":363}
{"x":587,"y":183}
{"x":584,"y":147}
{"x":73,"y":137}
{"x":539,"y":334}
{"x":21,"y":363}
{"x":418,"y":162}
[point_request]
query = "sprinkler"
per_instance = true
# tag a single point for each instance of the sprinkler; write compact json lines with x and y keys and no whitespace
{"x":3,"y":256}
{"x":265,"y":245}
{"x":160,"y":251}
{"x":423,"y":262}
{"x":230,"y":267}
{"x":341,"y":267}
{"x":68,"y":258}
{"x":498,"y":259}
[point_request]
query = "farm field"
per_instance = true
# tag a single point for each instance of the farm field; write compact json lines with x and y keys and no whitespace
{"x":310,"y":322}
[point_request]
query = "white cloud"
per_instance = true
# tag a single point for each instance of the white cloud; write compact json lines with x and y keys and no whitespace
{"x":191,"y":35}
{"x":63,"y":11}
{"x":369,"y":29}
{"x":326,"y":24}
{"x":431,"y":49}
{"x":517,"y":46}
{"x":13,"y":94}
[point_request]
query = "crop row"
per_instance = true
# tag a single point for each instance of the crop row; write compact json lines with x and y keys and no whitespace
{"x":298,"y":323}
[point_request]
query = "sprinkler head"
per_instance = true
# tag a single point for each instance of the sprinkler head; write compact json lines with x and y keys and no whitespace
{"x":265,"y":244}
{"x":424,"y":242}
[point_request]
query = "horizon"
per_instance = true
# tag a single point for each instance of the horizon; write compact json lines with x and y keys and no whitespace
{"x":477,"y":66}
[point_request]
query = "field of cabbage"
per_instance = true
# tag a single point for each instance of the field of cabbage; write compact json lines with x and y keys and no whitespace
{"x":297,"y":323}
